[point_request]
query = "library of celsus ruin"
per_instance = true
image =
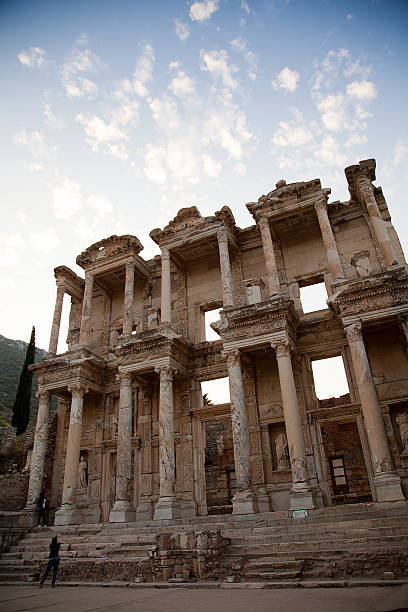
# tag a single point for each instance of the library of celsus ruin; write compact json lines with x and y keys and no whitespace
{"x":134,"y":439}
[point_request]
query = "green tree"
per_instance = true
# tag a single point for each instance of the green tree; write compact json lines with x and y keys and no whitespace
{"x":21,"y":406}
{"x":206,"y":400}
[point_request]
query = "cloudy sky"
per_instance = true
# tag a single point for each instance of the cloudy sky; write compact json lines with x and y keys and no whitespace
{"x":117,"y":114}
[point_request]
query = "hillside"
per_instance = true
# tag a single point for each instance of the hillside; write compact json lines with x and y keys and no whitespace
{"x":12,"y":354}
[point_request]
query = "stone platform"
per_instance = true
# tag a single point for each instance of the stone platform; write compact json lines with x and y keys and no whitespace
{"x":357,"y":542}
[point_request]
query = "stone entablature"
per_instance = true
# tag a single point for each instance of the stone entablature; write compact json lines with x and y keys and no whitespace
{"x":129,"y":395}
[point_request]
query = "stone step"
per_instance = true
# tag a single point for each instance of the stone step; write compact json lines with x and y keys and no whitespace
{"x":11,"y":555}
{"x":265,"y":564}
{"x":331,"y":534}
{"x":272,"y":575}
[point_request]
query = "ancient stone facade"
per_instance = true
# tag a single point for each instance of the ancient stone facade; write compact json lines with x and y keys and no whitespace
{"x":134,"y":440}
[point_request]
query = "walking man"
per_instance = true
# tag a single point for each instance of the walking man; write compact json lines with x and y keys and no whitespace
{"x":53,"y":562}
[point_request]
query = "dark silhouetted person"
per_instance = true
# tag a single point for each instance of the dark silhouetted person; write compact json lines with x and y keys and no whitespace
{"x":42,"y":506}
{"x":53,"y":562}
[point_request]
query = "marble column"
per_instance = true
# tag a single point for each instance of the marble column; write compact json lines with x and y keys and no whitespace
{"x":56,"y":321}
{"x":165,"y":287}
{"x":380,"y":229}
{"x":84,"y":332}
{"x":386,"y":481}
{"x":225,"y":265}
{"x":333,"y":257}
{"x":272,"y":277}
{"x":66,"y":515}
{"x":166,"y":506}
{"x":244,"y":501}
{"x":128,"y":301}
{"x":123,"y":509}
{"x":40,"y":446}
{"x":301,"y":494}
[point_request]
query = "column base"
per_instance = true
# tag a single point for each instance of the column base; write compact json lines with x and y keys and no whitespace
{"x":302,"y":498}
{"x":244,"y":502}
{"x":144,"y":511}
{"x":188,"y":508}
{"x":122,"y":512}
{"x":264,"y":503}
{"x":67,"y":515}
{"x":166,"y":508}
{"x":388,"y":487}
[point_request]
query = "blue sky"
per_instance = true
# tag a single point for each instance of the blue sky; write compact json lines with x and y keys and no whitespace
{"x":115,"y":115}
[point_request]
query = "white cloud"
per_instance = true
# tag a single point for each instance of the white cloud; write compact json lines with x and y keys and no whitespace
{"x":286,"y":80}
{"x":240,"y":46}
{"x":349,"y":16}
{"x":34,"y":143}
{"x":182,"y":29}
{"x":80,"y":62}
{"x":400,"y":153}
{"x":144,"y":71}
{"x":67,"y":198}
{"x":329,"y":153}
{"x":289,"y":134}
{"x":332,"y":111}
{"x":154,"y":167}
{"x":45,"y":240}
{"x":202,"y":11}
{"x":363,"y":90}
{"x":245,"y":7}
{"x":212,"y":168}
{"x":53,"y":121}
{"x":11,"y":245}
{"x":355,"y":139}
{"x":216,"y":62}
{"x":182,"y":85}
{"x":334,"y":64}
{"x":33,"y":58}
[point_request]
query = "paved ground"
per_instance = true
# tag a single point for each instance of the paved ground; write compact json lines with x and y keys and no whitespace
{"x":81,"y":599}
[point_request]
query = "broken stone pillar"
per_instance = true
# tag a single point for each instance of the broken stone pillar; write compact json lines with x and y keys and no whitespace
{"x":272,"y":277}
{"x":244,"y":501}
{"x":386,"y":481}
{"x":123,"y":509}
{"x":85,"y":329}
{"x":380,"y":230}
{"x":225,"y":265}
{"x":301,"y":494}
{"x":165,"y":287}
{"x":166,"y":505}
{"x":66,"y":515}
{"x":38,"y":456}
{"x":333,"y":257}
{"x":56,"y":321}
{"x":128,"y":301}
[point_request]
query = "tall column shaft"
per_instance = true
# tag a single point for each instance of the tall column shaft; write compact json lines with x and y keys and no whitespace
{"x":225,"y":266}
{"x":165,"y":287}
{"x":38,"y":456}
{"x":387,"y":483}
{"x":56,"y":321}
{"x":128,"y":301}
{"x":272,"y":277}
{"x":333,"y":257}
{"x":73,"y":446}
{"x":165,"y":506}
{"x":244,"y":501}
{"x":123,"y":509}
{"x":378,"y":223}
{"x":85,"y":329}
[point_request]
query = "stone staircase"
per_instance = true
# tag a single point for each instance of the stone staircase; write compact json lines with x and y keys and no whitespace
{"x":356,"y":541}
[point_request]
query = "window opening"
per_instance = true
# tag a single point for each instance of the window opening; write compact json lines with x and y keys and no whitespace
{"x":313,"y":297}
{"x":216,"y":391}
{"x":209,"y":317}
{"x":329,"y":377}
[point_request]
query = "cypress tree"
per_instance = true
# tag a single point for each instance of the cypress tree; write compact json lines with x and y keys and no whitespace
{"x":21,"y":406}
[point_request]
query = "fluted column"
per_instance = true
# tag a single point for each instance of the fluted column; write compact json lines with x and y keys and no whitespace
{"x":272,"y":277}
{"x":244,"y":501}
{"x":165,"y":508}
{"x":225,"y":265}
{"x":128,"y":301}
{"x":333,"y":257}
{"x":165,"y":287}
{"x":56,"y":321}
{"x":85,"y":329}
{"x":40,"y":446}
{"x":66,"y":515}
{"x":386,"y":481}
{"x":367,"y":192}
{"x":123,"y":509}
{"x":301,"y":496}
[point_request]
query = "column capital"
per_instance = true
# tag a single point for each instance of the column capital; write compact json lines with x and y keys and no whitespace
{"x":354,"y":332}
{"x":166,"y":372}
{"x":263,"y":221}
{"x":366,"y":187}
{"x":89,"y":276}
{"x":232,"y":356}
{"x":222,"y":235}
{"x":165,"y":254}
{"x":125,"y":378}
{"x":130,"y":265}
{"x":43,"y":396}
{"x":61,"y":288}
{"x":282,"y":347}
{"x":78,"y":391}
{"x":321,"y":205}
